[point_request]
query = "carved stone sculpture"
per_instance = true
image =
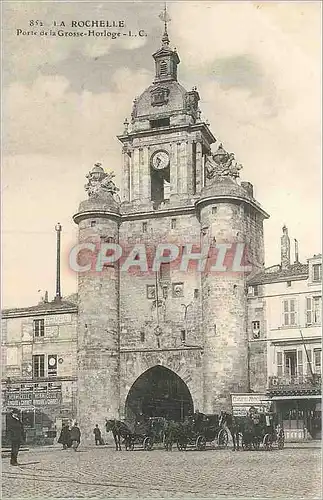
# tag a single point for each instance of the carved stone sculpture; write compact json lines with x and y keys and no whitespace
{"x":100,"y":183}
{"x":222,"y":164}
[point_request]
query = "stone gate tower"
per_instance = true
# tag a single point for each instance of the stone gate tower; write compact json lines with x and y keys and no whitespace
{"x":167,"y":342}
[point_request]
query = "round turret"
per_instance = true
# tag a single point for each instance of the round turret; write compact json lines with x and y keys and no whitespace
{"x":98,"y":289}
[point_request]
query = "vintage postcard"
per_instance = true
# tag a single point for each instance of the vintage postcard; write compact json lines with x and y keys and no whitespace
{"x":161,"y":249}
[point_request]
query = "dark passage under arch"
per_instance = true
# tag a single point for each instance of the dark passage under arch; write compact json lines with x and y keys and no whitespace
{"x":159,"y":392}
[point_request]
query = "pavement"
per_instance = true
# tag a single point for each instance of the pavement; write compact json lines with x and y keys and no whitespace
{"x":101,"y":472}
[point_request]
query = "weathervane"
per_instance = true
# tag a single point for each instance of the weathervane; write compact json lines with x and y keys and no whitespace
{"x":164,"y":16}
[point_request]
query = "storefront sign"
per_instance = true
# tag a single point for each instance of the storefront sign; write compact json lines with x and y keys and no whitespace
{"x":26,"y":395}
{"x":242,"y":402}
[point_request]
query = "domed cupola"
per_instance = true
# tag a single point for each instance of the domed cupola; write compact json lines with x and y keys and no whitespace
{"x":166,"y":102}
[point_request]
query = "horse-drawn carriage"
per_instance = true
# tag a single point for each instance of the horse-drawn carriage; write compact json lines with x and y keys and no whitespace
{"x":196,"y":431}
{"x":255,"y":430}
{"x":144,"y":432}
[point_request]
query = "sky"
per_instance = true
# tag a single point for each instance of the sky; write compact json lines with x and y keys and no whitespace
{"x":257,"y":67}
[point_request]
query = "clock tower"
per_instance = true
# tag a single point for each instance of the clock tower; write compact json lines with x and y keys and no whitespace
{"x":166,"y":141}
{"x":166,"y":342}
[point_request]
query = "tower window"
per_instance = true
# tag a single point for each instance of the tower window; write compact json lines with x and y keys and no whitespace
{"x":163,"y":68}
{"x":164,"y":271}
{"x":256,"y":329}
{"x":144,"y":227}
{"x":160,"y":185}
{"x":214,"y":210}
{"x":173,"y":223}
{"x":196,"y":293}
{"x":93,"y":223}
{"x":142,"y":336}
{"x":194,"y":167}
{"x":162,"y":122}
{"x":183,"y":336}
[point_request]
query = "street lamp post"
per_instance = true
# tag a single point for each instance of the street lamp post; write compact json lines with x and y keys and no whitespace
{"x":58,"y":229}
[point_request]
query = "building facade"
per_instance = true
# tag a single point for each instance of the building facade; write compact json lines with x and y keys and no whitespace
{"x":169,"y":341}
{"x":39,"y":366}
{"x":285,"y":303}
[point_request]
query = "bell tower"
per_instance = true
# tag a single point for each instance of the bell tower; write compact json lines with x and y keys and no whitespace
{"x":165,"y":143}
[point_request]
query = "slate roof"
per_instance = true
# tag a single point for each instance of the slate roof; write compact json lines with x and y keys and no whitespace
{"x":275,"y":274}
{"x":67,"y":303}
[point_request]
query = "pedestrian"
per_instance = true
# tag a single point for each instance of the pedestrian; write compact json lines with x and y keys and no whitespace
{"x":75,"y":436}
{"x":97,"y":435}
{"x":65,"y":436}
{"x":16,"y":434}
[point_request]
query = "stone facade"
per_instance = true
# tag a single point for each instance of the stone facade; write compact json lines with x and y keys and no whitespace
{"x":285,"y":340}
{"x":39,"y":360}
{"x":191,"y":323}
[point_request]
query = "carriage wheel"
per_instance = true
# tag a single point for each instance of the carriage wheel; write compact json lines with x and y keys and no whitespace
{"x":200,"y":443}
{"x":223,"y":439}
{"x":267,"y":442}
{"x":281,"y":440}
{"x":148,"y":443}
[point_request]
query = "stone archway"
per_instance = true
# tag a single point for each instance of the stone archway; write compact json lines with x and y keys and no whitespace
{"x":159,"y":392}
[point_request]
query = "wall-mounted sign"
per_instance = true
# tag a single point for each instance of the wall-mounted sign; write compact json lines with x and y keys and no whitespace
{"x":38,"y":394}
{"x":242,"y":402}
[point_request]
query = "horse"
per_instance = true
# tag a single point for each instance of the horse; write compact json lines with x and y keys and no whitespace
{"x":119,"y":430}
{"x":251,"y":427}
{"x":173,"y":431}
{"x":238,"y":426}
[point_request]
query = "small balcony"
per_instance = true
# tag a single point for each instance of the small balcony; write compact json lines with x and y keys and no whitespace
{"x":298,"y":384}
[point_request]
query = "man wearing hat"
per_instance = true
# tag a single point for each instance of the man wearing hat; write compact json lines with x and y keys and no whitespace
{"x":16,"y":434}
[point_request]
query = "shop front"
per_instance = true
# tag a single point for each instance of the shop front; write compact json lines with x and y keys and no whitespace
{"x":300,"y":416}
{"x":297,"y":401}
{"x":43,"y":406}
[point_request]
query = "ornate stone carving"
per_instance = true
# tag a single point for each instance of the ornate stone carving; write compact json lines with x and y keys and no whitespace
{"x":134,"y":109}
{"x":191,"y":102}
{"x":159,"y":96}
{"x":100,"y":183}
{"x":222,"y":164}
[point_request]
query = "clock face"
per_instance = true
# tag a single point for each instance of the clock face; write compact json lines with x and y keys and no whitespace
{"x":160,"y":160}
{"x":52,"y":361}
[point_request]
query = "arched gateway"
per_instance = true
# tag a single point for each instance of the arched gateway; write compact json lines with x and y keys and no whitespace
{"x":159,"y":392}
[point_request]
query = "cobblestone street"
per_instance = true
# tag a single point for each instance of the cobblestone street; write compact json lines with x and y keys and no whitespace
{"x":103,"y":473}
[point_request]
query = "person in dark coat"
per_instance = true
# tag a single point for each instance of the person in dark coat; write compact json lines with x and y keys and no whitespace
{"x":65,"y":436}
{"x":16,"y":434}
{"x":75,"y":436}
{"x":97,"y":435}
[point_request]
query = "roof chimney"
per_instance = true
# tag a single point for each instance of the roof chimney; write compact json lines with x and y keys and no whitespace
{"x":285,"y":249}
{"x":296,"y":250}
